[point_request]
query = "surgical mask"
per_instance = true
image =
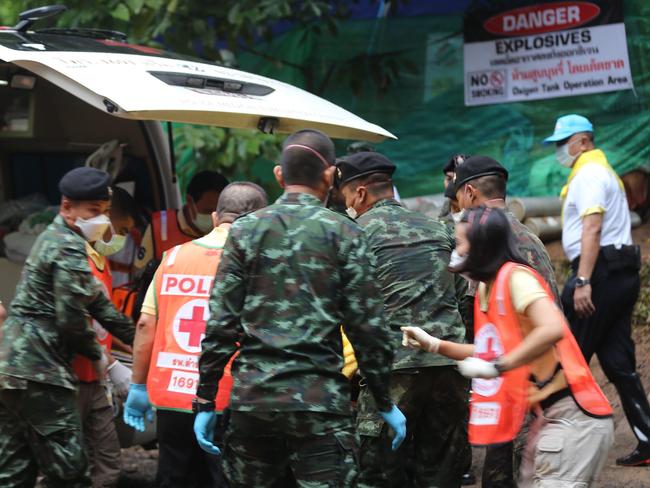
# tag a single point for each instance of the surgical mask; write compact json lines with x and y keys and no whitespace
{"x":93,"y":229}
{"x":457,"y":217}
{"x":204,"y":222}
{"x":352,"y":213}
{"x":111,"y":247}
{"x":456,"y":260}
{"x":563,"y":156}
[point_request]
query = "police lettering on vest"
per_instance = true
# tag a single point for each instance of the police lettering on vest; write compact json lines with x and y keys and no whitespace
{"x":499,"y":405}
{"x":83,"y":367}
{"x":183,"y":284}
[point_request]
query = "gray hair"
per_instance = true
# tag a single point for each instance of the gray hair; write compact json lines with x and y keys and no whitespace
{"x":239,"y":198}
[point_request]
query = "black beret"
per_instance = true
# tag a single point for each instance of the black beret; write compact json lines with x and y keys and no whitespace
{"x":454,"y":161}
{"x":472,"y":168}
{"x":86,"y":184}
{"x":362,"y":164}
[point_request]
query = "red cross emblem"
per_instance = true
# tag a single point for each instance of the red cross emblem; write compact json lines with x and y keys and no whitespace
{"x":189,"y":325}
{"x":490,"y":353}
{"x":195,"y":326}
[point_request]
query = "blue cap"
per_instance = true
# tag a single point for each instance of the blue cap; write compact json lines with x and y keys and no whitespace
{"x":567,"y":125}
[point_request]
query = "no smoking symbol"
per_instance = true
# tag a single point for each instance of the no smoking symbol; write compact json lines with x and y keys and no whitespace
{"x":497,"y":79}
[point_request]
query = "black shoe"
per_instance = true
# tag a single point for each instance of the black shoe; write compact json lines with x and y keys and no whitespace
{"x":637,"y":410}
{"x":639,"y":457}
{"x":468,"y":479}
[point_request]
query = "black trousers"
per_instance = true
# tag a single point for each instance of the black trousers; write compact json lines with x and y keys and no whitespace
{"x":615,"y":285}
{"x":181,"y":462}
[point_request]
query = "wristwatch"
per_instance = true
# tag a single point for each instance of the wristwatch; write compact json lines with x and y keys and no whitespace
{"x":202,"y":406}
{"x":582,"y":281}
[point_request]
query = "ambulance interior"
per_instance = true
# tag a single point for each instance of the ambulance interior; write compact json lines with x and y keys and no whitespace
{"x":44,"y":132}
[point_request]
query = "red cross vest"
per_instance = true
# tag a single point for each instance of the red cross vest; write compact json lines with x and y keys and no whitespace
{"x":183,"y":284}
{"x":82,"y":366}
{"x":166,"y":232}
{"x":498,"y":406}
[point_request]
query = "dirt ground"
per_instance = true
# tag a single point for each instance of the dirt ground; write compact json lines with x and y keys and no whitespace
{"x":140,"y":465}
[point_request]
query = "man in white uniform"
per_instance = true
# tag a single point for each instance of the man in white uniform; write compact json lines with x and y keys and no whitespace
{"x":599,"y":296}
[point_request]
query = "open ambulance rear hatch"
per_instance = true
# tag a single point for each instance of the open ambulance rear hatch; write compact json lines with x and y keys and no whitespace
{"x":142,"y":83}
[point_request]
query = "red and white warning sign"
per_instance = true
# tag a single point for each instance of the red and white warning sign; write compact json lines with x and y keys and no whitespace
{"x":545,"y":50}
{"x":189,"y":325}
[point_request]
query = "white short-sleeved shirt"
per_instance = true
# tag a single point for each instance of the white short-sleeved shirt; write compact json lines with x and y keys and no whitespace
{"x":595,"y":189}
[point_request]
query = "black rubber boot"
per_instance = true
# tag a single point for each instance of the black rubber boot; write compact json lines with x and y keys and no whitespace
{"x":469,"y":479}
{"x":637,"y":411}
{"x":639,"y":457}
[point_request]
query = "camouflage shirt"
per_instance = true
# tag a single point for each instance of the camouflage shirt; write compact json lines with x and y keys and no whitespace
{"x":411,"y":253}
{"x":289,"y":276}
{"x":535,"y":254}
{"x":49,"y":319}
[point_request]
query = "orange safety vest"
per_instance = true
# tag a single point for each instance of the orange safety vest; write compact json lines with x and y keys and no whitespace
{"x":498,"y":406}
{"x":82,"y":366}
{"x":183,"y":284}
{"x":124,"y":299}
{"x":167,"y":232}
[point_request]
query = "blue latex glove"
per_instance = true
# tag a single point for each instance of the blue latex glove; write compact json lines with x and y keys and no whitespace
{"x":204,"y":425}
{"x":396,"y":420}
{"x":137,"y":406}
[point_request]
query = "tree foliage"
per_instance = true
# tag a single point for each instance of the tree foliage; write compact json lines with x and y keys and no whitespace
{"x":218,"y":31}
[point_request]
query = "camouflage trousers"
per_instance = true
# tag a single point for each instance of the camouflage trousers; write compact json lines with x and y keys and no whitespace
{"x":41,"y":431}
{"x":436,"y":451}
{"x":318,"y":448}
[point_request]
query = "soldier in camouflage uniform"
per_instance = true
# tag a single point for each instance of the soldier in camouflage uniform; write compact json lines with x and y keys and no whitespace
{"x":481,"y":180}
{"x":449,"y":213}
{"x":410,"y":253}
{"x":47,"y":326}
{"x":289,"y":276}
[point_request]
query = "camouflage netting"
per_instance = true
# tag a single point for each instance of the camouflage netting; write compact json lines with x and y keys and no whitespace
{"x":425,"y":108}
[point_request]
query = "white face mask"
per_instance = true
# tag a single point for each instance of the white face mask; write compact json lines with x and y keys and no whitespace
{"x":563,"y":156}
{"x":456,"y":259}
{"x":352,"y":213}
{"x":111,"y":247}
{"x":93,"y":229}
{"x":457,"y":217}
{"x":204,"y":222}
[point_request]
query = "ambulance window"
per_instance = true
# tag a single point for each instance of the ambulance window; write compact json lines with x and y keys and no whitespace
{"x":40,"y":173}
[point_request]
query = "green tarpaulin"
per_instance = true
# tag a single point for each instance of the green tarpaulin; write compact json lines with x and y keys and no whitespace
{"x":425,"y":107}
